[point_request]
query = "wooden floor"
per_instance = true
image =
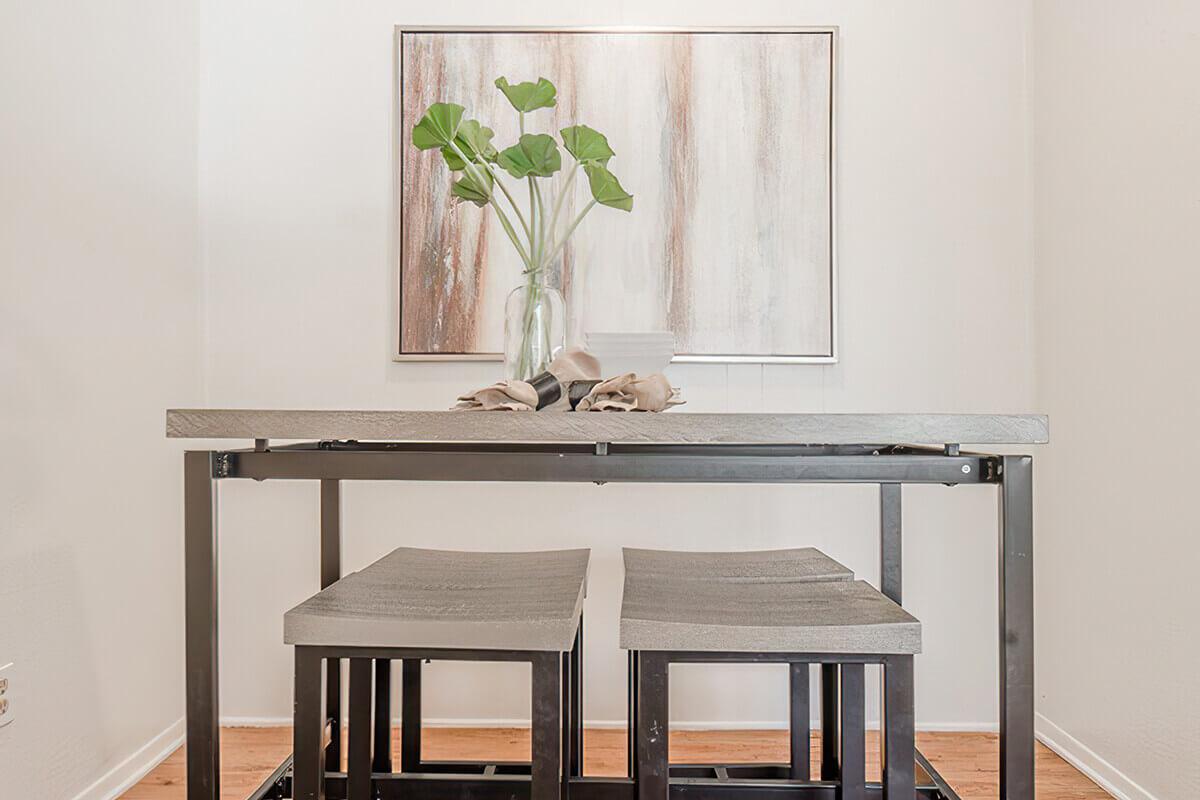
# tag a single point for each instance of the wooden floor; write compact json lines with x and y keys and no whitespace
{"x":966,"y":760}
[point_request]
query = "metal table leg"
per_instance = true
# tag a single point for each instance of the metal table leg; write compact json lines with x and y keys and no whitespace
{"x":200,"y":621}
{"x":890,"y":541}
{"x":891,"y":584}
{"x":1016,"y":628}
{"x":331,"y":571}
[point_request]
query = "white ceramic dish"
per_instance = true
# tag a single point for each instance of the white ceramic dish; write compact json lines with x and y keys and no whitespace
{"x":643,"y":353}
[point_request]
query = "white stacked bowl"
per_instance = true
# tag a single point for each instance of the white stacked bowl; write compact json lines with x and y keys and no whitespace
{"x":642,"y":352}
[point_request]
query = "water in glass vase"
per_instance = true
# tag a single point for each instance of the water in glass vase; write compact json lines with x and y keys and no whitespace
{"x":534,"y":328}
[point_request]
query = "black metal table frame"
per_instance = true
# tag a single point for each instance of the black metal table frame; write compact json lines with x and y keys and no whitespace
{"x":889,"y":466}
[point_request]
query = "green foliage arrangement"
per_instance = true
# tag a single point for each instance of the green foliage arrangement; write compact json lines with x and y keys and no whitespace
{"x":466,"y":146}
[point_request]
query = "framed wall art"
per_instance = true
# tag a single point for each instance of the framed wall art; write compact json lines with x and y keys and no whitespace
{"x":725,"y":138}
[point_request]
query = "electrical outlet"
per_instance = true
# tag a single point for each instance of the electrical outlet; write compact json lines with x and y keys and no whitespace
{"x":6,"y":690}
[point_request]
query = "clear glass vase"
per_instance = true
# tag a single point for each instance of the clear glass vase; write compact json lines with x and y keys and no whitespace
{"x":534,"y":328}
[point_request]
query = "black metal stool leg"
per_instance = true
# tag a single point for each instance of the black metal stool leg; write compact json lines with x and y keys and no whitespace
{"x":653,"y":766}
{"x":631,"y":756}
{"x":382,"y":759}
{"x":308,"y":728}
{"x":852,"y":698}
{"x":799,"y":723}
{"x":576,"y":710}
{"x":829,"y":722}
{"x":897,"y":747}
{"x":410,"y":716}
{"x":546,"y":771}
{"x":567,"y":718}
{"x":358,"y":754}
{"x":334,"y":712}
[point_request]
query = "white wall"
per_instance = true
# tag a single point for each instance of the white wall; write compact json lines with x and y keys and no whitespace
{"x":99,"y":331}
{"x":284,"y":109}
{"x":1117,"y":117}
{"x":935,"y":243}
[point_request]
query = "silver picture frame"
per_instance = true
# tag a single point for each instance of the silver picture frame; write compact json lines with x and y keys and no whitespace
{"x":398,"y":140}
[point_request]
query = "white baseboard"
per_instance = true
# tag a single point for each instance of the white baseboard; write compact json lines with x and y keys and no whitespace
{"x":701,"y":725}
{"x":1087,"y":761}
{"x":120,"y":778}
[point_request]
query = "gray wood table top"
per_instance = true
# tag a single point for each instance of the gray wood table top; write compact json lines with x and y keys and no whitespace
{"x":619,"y":428}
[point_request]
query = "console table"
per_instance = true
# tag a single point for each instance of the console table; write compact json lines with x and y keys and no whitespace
{"x":885,"y":449}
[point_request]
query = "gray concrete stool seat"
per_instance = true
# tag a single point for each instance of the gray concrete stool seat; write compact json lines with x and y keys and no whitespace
{"x":414,"y":605}
{"x":795,"y":607}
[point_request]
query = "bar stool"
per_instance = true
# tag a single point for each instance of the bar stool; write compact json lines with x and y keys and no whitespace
{"x":415,"y":605}
{"x":797,"y":564}
{"x":733,"y":614}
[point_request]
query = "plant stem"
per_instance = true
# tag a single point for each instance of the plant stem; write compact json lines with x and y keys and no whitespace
{"x":535,"y":230}
{"x":508,"y":228}
{"x":530,"y":328}
{"x":534,"y":237}
{"x":476,"y":176}
{"x":495,"y":173}
{"x":531,"y":228}
{"x":562,"y":195}
{"x":543,"y":227}
{"x":563,"y":241}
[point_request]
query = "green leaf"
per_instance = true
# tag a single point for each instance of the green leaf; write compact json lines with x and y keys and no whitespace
{"x":455,"y":163}
{"x":606,"y":189}
{"x":587,"y":145}
{"x":528,"y":96}
{"x":438,"y":127}
{"x":467,"y":188}
{"x":535,"y":154}
{"x":474,"y":140}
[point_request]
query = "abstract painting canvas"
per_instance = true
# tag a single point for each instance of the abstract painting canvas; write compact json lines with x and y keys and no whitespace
{"x":725,"y":140}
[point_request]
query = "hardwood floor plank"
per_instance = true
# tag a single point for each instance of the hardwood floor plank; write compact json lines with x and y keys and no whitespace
{"x":967,"y":760}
